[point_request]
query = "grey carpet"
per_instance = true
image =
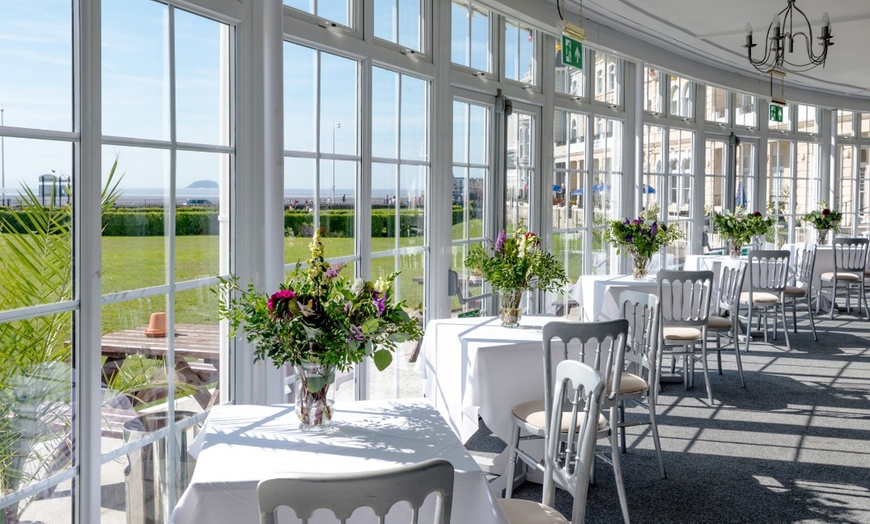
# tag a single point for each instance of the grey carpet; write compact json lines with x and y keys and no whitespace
{"x":793,"y":446}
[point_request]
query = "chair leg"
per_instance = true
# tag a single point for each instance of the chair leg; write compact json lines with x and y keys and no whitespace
{"x":794,"y":314}
{"x":737,"y":357}
{"x":810,"y":314}
{"x":748,"y":326}
{"x":511,"y":467}
{"x":651,"y":405}
{"x":833,"y":298}
{"x":617,"y":468}
{"x":706,"y":371}
{"x":719,"y":351}
{"x":621,"y":425}
{"x":784,"y":326}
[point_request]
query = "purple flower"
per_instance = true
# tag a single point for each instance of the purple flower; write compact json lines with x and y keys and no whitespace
{"x":380,"y":300}
{"x":636,"y":222}
{"x":499,"y":242}
{"x":333,"y":271}
{"x":654,"y":230}
{"x":627,"y":221}
{"x":356,"y":334}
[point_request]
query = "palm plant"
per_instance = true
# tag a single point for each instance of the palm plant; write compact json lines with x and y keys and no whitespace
{"x":36,"y":376}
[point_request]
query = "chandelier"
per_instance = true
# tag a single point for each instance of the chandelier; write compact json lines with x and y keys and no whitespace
{"x":779,"y":49}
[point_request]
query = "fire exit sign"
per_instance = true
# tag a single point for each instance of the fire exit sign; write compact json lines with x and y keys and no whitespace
{"x":775,"y":113}
{"x":572,"y":52}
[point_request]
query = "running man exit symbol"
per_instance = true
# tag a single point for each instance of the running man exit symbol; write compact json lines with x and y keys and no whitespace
{"x":572,"y":52}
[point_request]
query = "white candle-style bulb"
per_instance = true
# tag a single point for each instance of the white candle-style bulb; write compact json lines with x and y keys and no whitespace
{"x":749,"y":29}
{"x":775,"y":21}
{"x":826,"y":20}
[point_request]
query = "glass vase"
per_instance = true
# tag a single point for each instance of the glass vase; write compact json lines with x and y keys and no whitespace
{"x":313,"y":405}
{"x":822,"y":236}
{"x":511,"y":313}
{"x":735,"y":248}
{"x":640,"y":266}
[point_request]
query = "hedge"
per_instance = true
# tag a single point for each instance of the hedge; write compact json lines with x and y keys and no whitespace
{"x":337,"y":223}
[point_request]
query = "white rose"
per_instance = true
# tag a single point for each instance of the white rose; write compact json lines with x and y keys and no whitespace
{"x":358,"y":285}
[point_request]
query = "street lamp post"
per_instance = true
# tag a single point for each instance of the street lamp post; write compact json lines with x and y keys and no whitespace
{"x":2,"y":163}
{"x":335,"y":125}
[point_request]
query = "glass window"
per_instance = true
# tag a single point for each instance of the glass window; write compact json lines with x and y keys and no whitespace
{"x":471,"y":179}
{"x":37,"y":81}
{"x":682,"y":97}
{"x":521,"y":176}
{"x":519,"y":53}
{"x":470,"y":40}
{"x":865,"y":125}
{"x":780,"y":187}
{"x":608,"y":77}
{"x":606,"y":187}
{"x":715,"y":194}
{"x":807,"y":117}
{"x":848,"y":194}
{"x":400,"y":22}
{"x":718,"y":107}
{"x":745,"y":113}
{"x":846,"y":123}
{"x":653,"y":88}
{"x":338,"y":11}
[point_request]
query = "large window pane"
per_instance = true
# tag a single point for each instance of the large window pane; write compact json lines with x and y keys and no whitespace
{"x":36,"y":56}
{"x":519,"y":53}
{"x":134,"y":230}
{"x":717,"y":109}
{"x":197,"y":225}
{"x":399,"y":22}
{"x":335,"y":10}
{"x":654,"y":88}
{"x":201,"y":69}
{"x":36,"y":407}
{"x":470,"y":42}
{"x":521,"y":175}
{"x":338,"y":108}
{"x":135,"y":71}
{"x":300,"y":96}
{"x":36,"y":263}
{"x":746,"y":111}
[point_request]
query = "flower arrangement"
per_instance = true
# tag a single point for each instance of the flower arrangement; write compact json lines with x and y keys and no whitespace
{"x":515,"y":264}
{"x":739,"y":227}
{"x":641,"y":238}
{"x":824,"y":220}
{"x":319,"y":316}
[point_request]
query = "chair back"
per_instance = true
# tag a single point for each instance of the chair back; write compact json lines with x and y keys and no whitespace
{"x":684,"y":297}
{"x":344,"y":493}
{"x":768,"y":271}
{"x":730,"y":287}
{"x":641,"y":349}
{"x":850,"y":255}
{"x":601,"y":345}
{"x":804,"y":267}
{"x":568,"y":459}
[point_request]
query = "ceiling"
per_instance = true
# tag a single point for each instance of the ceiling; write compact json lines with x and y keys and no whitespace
{"x":714,"y":31}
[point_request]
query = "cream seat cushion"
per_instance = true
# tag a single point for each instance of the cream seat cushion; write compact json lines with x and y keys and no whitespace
{"x":520,"y":511}
{"x":631,"y":383}
{"x":717,"y":322}
{"x":795,"y":291}
{"x":681,"y":333}
{"x":760,"y":297}
{"x":532,"y":412}
{"x":845,"y":277}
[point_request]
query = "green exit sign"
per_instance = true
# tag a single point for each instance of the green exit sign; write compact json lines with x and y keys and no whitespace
{"x":775,"y":113}
{"x":572,"y":52}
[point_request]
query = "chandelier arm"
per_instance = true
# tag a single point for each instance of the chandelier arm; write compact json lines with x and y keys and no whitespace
{"x":781,"y":31}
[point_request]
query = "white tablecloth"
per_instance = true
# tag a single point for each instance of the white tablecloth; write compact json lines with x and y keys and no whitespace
{"x":475,"y":367}
{"x":598,"y":294}
{"x":241,"y":445}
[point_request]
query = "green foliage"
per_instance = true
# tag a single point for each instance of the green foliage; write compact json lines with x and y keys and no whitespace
{"x":318,"y":316}
{"x":741,"y":226}
{"x":640,"y":237}
{"x":825,"y":218}
{"x":517,"y":262}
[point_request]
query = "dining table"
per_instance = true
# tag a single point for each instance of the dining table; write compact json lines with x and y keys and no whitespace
{"x":240,"y":445}
{"x":598,"y":295}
